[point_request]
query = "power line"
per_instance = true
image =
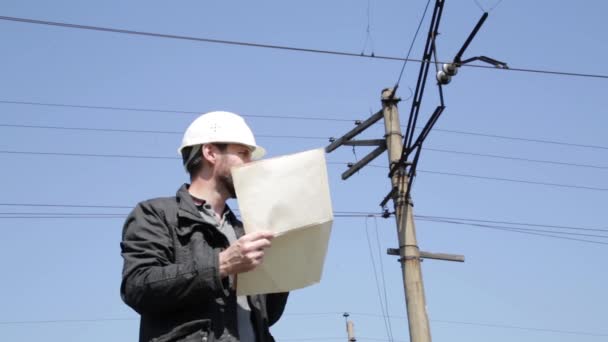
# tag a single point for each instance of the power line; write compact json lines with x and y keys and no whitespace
{"x":97,"y":206}
{"x":494,"y":156}
{"x":165,"y":111}
{"x":512,"y":180}
{"x":382,"y":300}
{"x":518,"y":223}
{"x":493,"y":325}
{"x":504,"y":137}
{"x":409,"y":51}
{"x":117,"y":216}
{"x":337,"y":214}
{"x":56,"y":205}
{"x":486,"y":225}
{"x":55,"y":321}
{"x":120,"y":130}
{"x":382,"y":274}
{"x":269,"y":46}
{"x":365,"y":314}
{"x":175,"y":111}
{"x":497,"y":156}
{"x":537,"y":232}
{"x":94,"y":155}
{"x":359,"y":214}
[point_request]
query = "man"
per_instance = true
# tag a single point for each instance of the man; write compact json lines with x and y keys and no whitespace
{"x":182,"y":255}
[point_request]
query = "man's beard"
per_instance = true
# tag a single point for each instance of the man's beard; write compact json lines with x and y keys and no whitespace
{"x":228,"y":184}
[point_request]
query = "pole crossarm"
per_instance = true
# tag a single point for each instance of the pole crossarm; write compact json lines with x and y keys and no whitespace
{"x":373,"y":142}
{"x":429,"y":255}
{"x":364,"y":161}
{"x":353,"y":132}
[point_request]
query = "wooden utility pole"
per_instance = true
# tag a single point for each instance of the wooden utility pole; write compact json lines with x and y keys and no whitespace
{"x":408,"y":246}
{"x":409,"y":254}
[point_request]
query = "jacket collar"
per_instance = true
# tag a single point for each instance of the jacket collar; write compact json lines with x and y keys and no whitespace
{"x":186,"y":209}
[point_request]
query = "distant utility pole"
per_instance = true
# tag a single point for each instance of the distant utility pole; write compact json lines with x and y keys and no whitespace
{"x":350,"y":328}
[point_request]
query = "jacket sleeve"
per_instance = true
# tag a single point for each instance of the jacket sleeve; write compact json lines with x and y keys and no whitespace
{"x":275,"y":305}
{"x":151,"y":281}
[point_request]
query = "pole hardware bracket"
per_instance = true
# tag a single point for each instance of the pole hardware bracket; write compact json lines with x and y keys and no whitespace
{"x":429,"y":255}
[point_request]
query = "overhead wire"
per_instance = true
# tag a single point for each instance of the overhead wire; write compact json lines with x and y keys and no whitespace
{"x":531,"y":160}
{"x":491,"y":325}
{"x":167,"y":111}
{"x":532,"y":140}
{"x":175,"y":111}
{"x":518,"y":223}
{"x":359,"y":214}
{"x":124,"y":156}
{"x":368,"y":31}
{"x":386,"y":301}
{"x":537,"y":232}
{"x":364,"y":314}
{"x":382,"y":300}
{"x":491,"y":8}
{"x":409,"y":51}
{"x":269,"y":46}
{"x":513,"y":180}
{"x":338,"y":214}
{"x":483,"y":155}
{"x":131,"y":157}
{"x":487,"y":225}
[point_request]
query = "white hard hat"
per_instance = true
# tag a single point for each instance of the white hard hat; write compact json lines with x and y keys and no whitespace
{"x":221,"y":127}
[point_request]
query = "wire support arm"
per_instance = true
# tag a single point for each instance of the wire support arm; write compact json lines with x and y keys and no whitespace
{"x":472,"y":35}
{"x":364,"y":161}
{"x":335,"y":143}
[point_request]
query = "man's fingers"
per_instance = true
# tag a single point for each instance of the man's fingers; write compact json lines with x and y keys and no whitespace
{"x":256,"y":256}
{"x":258,"y":235}
{"x":256,"y":245}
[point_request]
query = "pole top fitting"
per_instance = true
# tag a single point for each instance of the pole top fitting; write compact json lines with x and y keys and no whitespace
{"x":389,"y":95}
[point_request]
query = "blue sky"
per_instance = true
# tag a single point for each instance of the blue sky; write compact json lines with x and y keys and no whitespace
{"x":67,"y":270}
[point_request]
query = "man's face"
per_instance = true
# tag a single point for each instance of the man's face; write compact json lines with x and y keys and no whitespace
{"x":233,"y":155}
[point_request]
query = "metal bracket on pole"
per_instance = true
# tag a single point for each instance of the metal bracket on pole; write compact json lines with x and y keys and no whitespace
{"x":494,"y":62}
{"x":372,"y":142}
{"x":346,"y":140}
{"x":364,"y":161}
{"x":470,"y":37}
{"x":353,"y":132}
{"x":429,"y":255}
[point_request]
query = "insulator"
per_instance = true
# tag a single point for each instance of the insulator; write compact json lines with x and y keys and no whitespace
{"x":443,"y":77}
{"x":450,"y":68}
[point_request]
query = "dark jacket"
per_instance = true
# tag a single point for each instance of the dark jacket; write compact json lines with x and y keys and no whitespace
{"x":171,"y":275}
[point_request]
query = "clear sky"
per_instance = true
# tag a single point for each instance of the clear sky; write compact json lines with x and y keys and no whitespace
{"x":61,"y":275}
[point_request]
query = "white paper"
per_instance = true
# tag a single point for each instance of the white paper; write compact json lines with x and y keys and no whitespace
{"x":288,"y":196}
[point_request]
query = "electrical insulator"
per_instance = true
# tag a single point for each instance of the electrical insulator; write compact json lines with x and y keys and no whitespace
{"x":450,"y":68}
{"x":443,"y":77}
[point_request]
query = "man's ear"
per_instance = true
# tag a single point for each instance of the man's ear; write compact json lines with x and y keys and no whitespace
{"x":210,"y":153}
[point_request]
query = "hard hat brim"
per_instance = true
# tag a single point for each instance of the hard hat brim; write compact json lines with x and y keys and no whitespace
{"x":257,"y":152}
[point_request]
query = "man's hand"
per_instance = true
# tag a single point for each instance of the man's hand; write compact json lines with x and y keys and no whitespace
{"x":244,"y":254}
